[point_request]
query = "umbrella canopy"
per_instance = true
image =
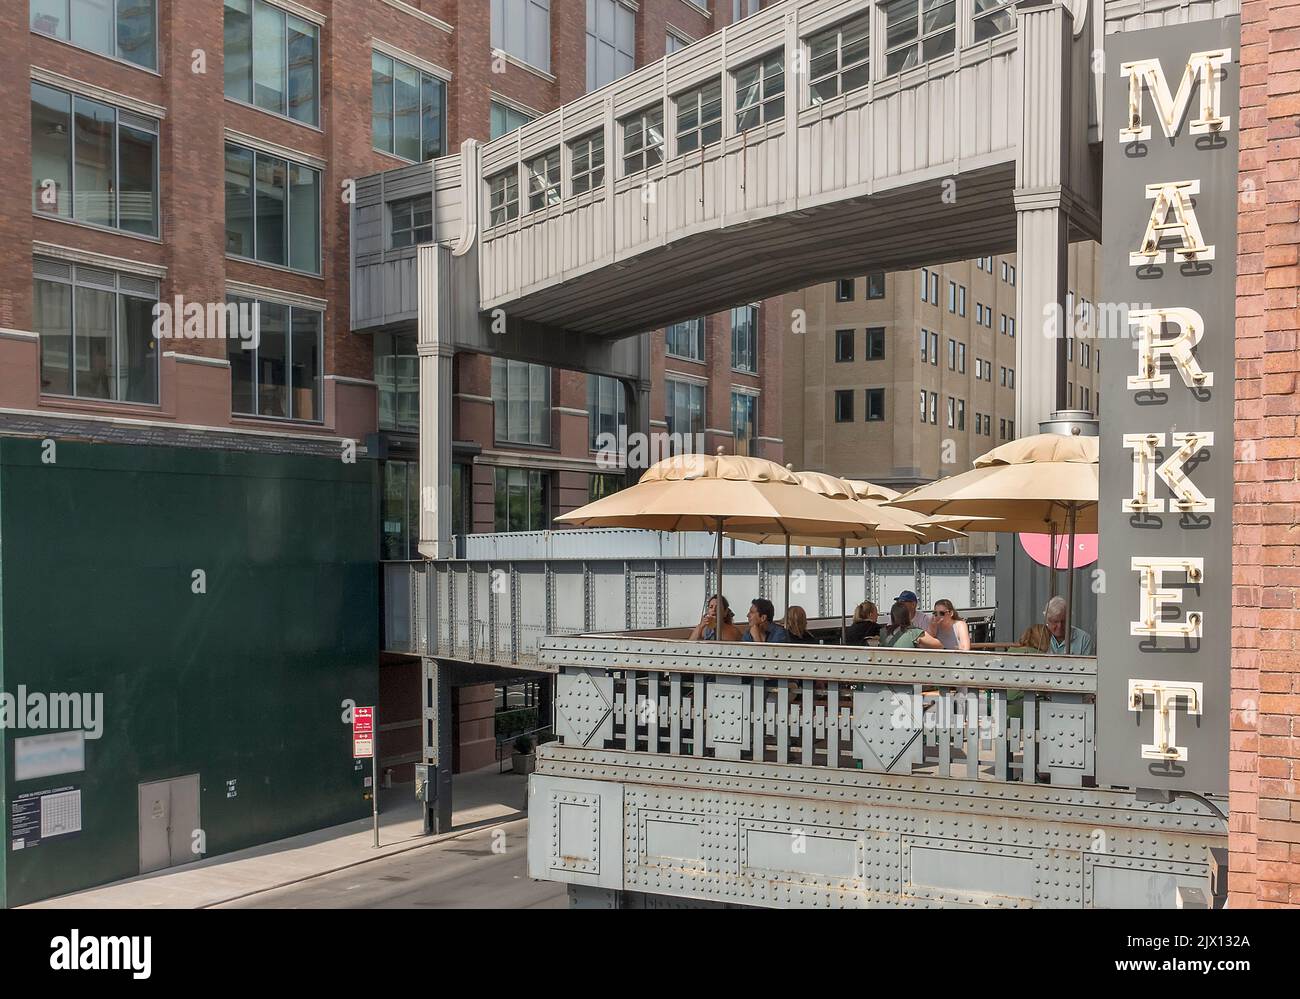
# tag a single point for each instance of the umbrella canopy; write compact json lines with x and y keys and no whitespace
{"x":1031,"y":484}
{"x":929,"y":528}
{"x":693,"y":492}
{"x":877,"y":526}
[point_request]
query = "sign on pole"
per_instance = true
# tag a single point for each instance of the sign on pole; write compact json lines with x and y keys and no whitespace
{"x":363,"y":733}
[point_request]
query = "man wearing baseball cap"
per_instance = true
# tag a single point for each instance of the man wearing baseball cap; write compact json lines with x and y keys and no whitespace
{"x":920,"y":619}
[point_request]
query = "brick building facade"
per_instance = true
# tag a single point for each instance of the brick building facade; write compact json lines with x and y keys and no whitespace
{"x":1264,"y":830}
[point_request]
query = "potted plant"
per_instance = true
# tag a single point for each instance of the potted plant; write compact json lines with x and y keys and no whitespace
{"x":524,"y":759}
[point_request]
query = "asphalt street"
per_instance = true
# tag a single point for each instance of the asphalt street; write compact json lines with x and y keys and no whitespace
{"x":486,"y":868}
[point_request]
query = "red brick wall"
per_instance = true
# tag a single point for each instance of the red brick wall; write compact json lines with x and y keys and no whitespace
{"x":1264,"y":827}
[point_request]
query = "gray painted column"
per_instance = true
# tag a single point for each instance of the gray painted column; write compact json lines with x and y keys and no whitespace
{"x":438,"y":749}
{"x":436,"y":354}
{"x":1042,"y":217}
{"x":637,"y":391}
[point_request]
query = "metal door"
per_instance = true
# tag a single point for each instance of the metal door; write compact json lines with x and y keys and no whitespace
{"x":169,"y":818}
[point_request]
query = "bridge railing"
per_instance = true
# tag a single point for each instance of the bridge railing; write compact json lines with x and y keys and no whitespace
{"x":977,"y":716}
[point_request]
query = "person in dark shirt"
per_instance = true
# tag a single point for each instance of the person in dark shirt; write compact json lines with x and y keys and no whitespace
{"x":864,"y":624}
{"x":796,"y":627}
{"x":760,"y":626}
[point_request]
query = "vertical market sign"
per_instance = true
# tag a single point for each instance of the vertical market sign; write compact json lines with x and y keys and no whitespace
{"x":1169,"y":239}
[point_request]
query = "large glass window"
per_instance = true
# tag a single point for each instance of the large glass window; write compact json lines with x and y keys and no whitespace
{"x":407,"y":110}
{"x":744,"y":338}
{"x":760,"y":91}
{"x":412,"y":221}
{"x":875,"y":404}
{"x":588,"y":162}
{"x":280,"y":378}
{"x":844,"y":406}
{"x":643,"y":139}
{"x":96,"y":330}
{"x":686,"y":340}
{"x":743,"y":8}
{"x":522,"y":28}
{"x":400,"y":510}
{"x":272,"y":60}
{"x":699,"y":117}
{"x":521,"y":398}
{"x":844,"y":345}
{"x":93,"y":163}
{"x":744,"y":421}
{"x":544,"y":180}
{"x":272,"y":210}
{"x":875,"y":343}
{"x":606,"y":409}
{"x":605,"y":484}
{"x":685,"y":408}
{"x":506,"y":119}
{"x":397,"y":371}
{"x":839,"y":59}
{"x":121,"y":29}
{"x":503,"y":196}
{"x":992,"y":18}
{"x":611,"y":42}
{"x":917,"y":31}
{"x":522,"y":499}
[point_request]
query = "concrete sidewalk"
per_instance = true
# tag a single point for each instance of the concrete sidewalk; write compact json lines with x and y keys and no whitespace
{"x":480,"y":798}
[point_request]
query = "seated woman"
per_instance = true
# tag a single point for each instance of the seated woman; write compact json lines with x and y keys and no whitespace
{"x":1035,"y":638}
{"x":902,"y":634}
{"x":707,"y":630}
{"x":947,"y":626}
{"x":796,"y":627}
{"x":865,"y":624}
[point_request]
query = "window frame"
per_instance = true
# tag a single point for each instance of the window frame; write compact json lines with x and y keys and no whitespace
{"x":544,"y":172}
{"x":988,"y":16}
{"x":840,"y":293}
{"x":115,"y":55}
{"x":285,"y":14}
{"x":674,"y":386}
{"x":288,"y":202}
{"x":696,"y":101}
{"x":874,"y":349}
{"x":424,"y":75}
{"x":752,"y":346}
{"x":594,"y":173}
{"x":498,"y":43}
{"x":744,"y":405}
{"x":841,"y":69}
{"x":502,"y":402}
{"x":878,"y":395}
{"x":766,"y":107}
{"x":508,"y":206}
{"x":918,"y":42}
{"x":411,"y":208}
{"x":646,"y":119}
{"x":256,"y":353}
{"x":697,"y":339}
{"x":842,"y":356}
{"x":593,"y":40}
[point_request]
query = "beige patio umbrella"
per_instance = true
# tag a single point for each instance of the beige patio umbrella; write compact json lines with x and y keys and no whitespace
{"x":879,"y":527}
{"x":722,"y":493}
{"x":1044,"y":483}
{"x":931,"y":528}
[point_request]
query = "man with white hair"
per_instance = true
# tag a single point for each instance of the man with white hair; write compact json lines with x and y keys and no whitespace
{"x":1081,"y":643}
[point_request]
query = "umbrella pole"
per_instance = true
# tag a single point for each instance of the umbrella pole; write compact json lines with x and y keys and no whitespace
{"x":1069,"y":583}
{"x":787,"y":570}
{"x":1051,"y":564}
{"x":718,"y":623}
{"x":844,"y":633}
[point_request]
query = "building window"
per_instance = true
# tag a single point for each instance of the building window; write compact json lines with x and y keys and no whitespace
{"x":606,"y":411}
{"x":875,"y":343}
{"x":522,"y":28}
{"x":407,"y":110}
{"x":505,"y":119}
{"x":876,"y":284}
{"x":1002,"y":429}
{"x":281,"y":377}
{"x":397,"y":372}
{"x":934,"y":287}
{"x":699,"y":117}
{"x":674,"y":43}
{"x":1011,"y":378}
{"x":93,"y":163}
{"x":844,"y":290}
{"x":952,"y":412}
{"x":744,"y":421}
{"x":1069,"y":395}
{"x":605,"y":484}
{"x":934,"y":348}
{"x":643,"y":140}
{"x":743,"y":8}
{"x":1011,"y":325}
{"x":1083,"y":394}
{"x":96,"y":333}
{"x":952,"y":296}
{"x":844,"y":345}
{"x":587,"y":162}
{"x":685,"y":411}
{"x":611,"y":42}
{"x":272,"y":210}
{"x":744,"y":338}
{"x":1002,"y":323}
{"x":544,"y":180}
{"x":1003,"y":372}
{"x":993,"y":18}
{"x":839,"y":59}
{"x":844,"y":405}
{"x":521,"y":402}
{"x":952,"y":354}
{"x":120,"y":29}
{"x":961,"y":300}
{"x":521,"y":499}
{"x":925,"y":338}
{"x":934,"y":407}
{"x":760,"y":91}
{"x":961,"y":414}
{"x":686,"y":340}
{"x":917,"y":31}
{"x":400,"y":511}
{"x":412,"y":221}
{"x":925,"y":284}
{"x":875,"y":404}
{"x":503,"y":196}
{"x":1004,"y":270}
{"x":961,"y":358}
{"x":272,"y":60}
{"x":1012,"y":280}
{"x":922,"y":406}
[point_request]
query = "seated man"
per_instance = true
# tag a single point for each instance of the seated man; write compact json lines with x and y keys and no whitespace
{"x":1081,"y":643}
{"x":761,"y":627}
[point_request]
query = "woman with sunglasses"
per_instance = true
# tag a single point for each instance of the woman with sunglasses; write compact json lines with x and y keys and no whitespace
{"x":947,"y":626}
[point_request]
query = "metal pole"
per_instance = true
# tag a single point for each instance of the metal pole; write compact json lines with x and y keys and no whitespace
{"x":787,"y":570}
{"x":844,"y":627}
{"x":1051,"y":563}
{"x":717,"y":624}
{"x":1069,"y":583}
{"x":374,"y":772}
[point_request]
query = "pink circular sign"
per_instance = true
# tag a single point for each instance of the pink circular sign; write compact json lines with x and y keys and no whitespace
{"x":1036,"y":546}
